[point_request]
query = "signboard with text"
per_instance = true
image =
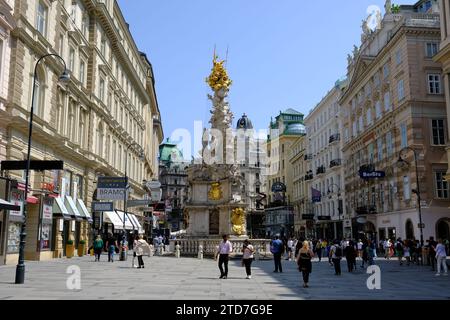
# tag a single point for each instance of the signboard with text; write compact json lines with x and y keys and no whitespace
{"x":372,"y":175}
{"x":47,"y":209}
{"x":102,"y":206}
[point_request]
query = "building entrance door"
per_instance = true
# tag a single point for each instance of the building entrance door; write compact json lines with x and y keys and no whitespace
{"x":2,"y":237}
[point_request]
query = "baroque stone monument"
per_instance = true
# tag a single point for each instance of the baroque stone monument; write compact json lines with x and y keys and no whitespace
{"x":216,"y":203}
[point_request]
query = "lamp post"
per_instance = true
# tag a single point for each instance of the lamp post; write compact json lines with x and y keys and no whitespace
{"x":401,"y":162}
{"x":330,"y":190}
{"x":64,"y":77}
{"x":125,"y":196}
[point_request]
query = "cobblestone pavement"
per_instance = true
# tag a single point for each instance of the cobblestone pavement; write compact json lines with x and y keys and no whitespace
{"x":167,"y":278}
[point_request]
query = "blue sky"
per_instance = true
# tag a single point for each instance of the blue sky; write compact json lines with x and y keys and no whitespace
{"x":282,"y":54}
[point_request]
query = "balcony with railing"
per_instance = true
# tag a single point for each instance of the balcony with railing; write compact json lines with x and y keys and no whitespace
{"x":321,"y":170}
{"x":308,"y":157}
{"x":366,"y":210}
{"x":335,"y":138}
{"x":335,"y":163}
{"x":309,"y":176}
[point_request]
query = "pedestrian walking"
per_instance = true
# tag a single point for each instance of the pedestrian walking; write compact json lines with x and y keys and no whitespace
{"x":247,"y":257}
{"x":350,"y":255}
{"x":407,"y":252}
{"x":111,"y":244}
{"x":387,"y":249}
{"x":432,"y":252}
{"x":304,"y":262}
{"x":441,"y":256}
{"x":290,"y":245}
{"x":399,"y":250}
{"x":365,"y":253}
{"x":224,"y":250}
{"x":98,"y":248}
{"x":360,"y":248}
{"x":336,"y":256}
{"x":371,"y":252}
{"x":277,"y":250}
{"x":141,"y":248}
{"x":135,"y":244}
{"x":319,"y":250}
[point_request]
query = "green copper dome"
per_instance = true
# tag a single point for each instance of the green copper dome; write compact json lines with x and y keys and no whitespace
{"x":168,"y":152}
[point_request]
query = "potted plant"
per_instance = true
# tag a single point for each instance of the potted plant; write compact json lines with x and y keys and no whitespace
{"x":82,"y":248}
{"x":69,"y":249}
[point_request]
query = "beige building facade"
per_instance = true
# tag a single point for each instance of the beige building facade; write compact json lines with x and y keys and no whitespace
{"x":326,"y":165}
{"x":102,"y":120}
{"x":395,"y":104}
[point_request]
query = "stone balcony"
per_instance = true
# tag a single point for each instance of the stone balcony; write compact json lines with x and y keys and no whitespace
{"x":335,"y":138}
{"x":335,"y":163}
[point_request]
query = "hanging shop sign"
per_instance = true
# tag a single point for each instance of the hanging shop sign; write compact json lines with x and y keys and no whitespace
{"x":47,"y":209}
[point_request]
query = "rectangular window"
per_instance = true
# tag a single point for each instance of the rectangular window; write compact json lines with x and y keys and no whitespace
{"x":370,"y":151}
{"x":398,"y":56}
{"x":404,"y":135}
{"x":434,"y":83}
{"x":41,"y":19}
{"x":361,"y":124}
{"x":401,"y":90}
{"x":441,"y":185}
{"x":387,"y":101}
{"x":380,"y":149}
{"x":386,"y":71}
{"x":101,"y":92}
{"x":389,"y":144}
{"x":72,"y":59}
{"x":378,"y":109}
{"x":82,"y":71}
{"x":85,"y":25}
{"x":369,"y":117}
{"x":406,"y":188}
{"x":432,"y":48}
{"x":103,"y":47}
{"x":354,"y":129}
{"x":438,"y":132}
{"x":61,"y":45}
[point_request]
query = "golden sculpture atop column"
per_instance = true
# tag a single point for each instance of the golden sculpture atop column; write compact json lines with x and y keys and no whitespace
{"x":238,"y":221}
{"x":218,"y":79}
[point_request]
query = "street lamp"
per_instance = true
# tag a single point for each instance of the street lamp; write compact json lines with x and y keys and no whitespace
{"x":125,"y":197}
{"x":64,"y":78}
{"x":401,"y":162}
{"x":330,"y":190}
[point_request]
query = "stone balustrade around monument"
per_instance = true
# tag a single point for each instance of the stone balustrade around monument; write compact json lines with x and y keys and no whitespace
{"x":190,"y":247}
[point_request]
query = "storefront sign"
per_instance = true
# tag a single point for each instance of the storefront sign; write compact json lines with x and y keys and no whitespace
{"x":372,"y":175}
{"x":16,"y":199}
{"x":324,"y":218}
{"x":137,"y":203}
{"x":308,"y":217}
{"x":47,"y":209}
{"x":112,"y":182}
{"x":102,"y":206}
{"x":98,"y":220}
{"x":110,"y":194}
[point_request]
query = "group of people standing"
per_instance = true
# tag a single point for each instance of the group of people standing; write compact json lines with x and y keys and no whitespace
{"x":140,"y":248}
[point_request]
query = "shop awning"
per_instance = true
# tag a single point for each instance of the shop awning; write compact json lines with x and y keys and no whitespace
{"x":60,"y":210}
{"x":136,"y":223}
{"x":32,"y":200}
{"x":82,"y":208}
{"x":5,"y":205}
{"x":128,"y":224}
{"x":112,"y":218}
{"x":72,"y":208}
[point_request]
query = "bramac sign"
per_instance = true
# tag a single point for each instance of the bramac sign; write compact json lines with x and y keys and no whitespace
{"x":372,"y":175}
{"x":111,"y":188}
{"x":110,"y":194}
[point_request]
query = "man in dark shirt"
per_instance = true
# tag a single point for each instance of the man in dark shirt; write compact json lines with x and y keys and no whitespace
{"x":432,"y":252}
{"x":277,"y":249}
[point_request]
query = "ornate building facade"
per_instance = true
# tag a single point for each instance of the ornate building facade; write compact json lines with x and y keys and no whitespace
{"x":326,"y":175}
{"x":394,"y":106}
{"x":284,"y":132}
{"x":104,"y":119}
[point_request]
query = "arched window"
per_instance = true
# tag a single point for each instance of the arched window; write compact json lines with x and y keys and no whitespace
{"x":39,"y":92}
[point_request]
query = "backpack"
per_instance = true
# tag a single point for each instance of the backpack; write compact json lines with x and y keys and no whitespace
{"x":338,"y":252}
